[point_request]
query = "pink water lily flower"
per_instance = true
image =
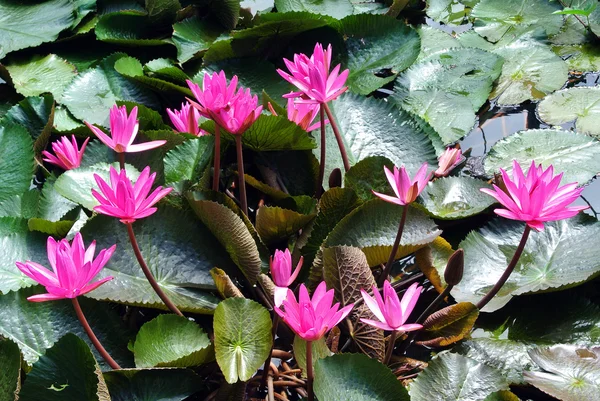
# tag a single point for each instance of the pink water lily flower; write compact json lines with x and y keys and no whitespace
{"x":312,"y":318}
{"x":123,"y":130}
{"x":68,"y":155}
{"x":537,"y":197}
{"x":302,"y":114}
{"x":451,"y":158}
{"x":214,"y":95}
{"x":312,"y":77}
{"x":242,"y":112}
{"x":73,"y":267}
{"x":126,"y":201}
{"x":281,"y":272}
{"x":391,"y":312}
{"x":186,"y":119}
{"x":406,"y":190}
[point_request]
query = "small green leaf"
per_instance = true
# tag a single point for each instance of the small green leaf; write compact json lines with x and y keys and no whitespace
{"x":571,"y":372}
{"x":185,"y":163}
{"x":448,"y":325}
{"x":171,"y":341}
{"x":275,"y":224}
{"x":243,"y":337}
{"x":132,"y":68}
{"x":16,"y":160}
{"x":581,"y":105}
{"x":334,"y":8}
{"x":193,"y":36}
{"x":130,"y":28}
{"x":453,"y":198}
{"x":37,"y":115}
{"x":10,"y":370}
{"x":356,"y":377}
{"x":152,"y":384}
{"x":453,"y":377}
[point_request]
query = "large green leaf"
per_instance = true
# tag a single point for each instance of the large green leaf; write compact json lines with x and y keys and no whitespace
{"x":171,"y":340}
{"x":24,"y":24}
{"x":333,"y":206}
{"x":131,"y":28}
{"x":547,"y":263}
{"x":179,"y":252}
{"x":581,"y":105}
{"x":356,"y":377}
{"x":76,"y":185}
{"x":453,"y":377}
{"x":455,"y":197}
{"x":10,"y":370}
{"x":377,"y":44}
{"x":227,"y":12}
{"x":449,"y":12}
{"x":367,"y":176}
{"x":185,"y":163}
{"x":68,"y":371}
{"x":372,"y":127}
{"x":333,"y":8}
{"x":435,"y":40}
{"x":37,"y":115}
{"x":570,"y":153}
{"x":531,"y":70}
{"x":275,"y":223}
{"x":91,"y":94}
{"x":509,"y":19}
{"x":232,"y":233}
{"x":193,"y":36}
{"x":35,"y":327}
{"x":152,"y":384}
{"x":373,"y":226}
{"x":39,"y":75}
{"x":571,"y":373}
{"x":16,"y":160}
{"x":243,"y":337}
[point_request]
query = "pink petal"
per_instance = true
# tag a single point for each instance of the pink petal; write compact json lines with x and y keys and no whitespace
{"x":140,"y":147}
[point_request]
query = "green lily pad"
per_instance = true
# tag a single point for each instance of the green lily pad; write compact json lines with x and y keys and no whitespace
{"x":373,"y":226}
{"x":434,"y":40}
{"x":243,"y":338}
{"x":512,"y":18}
{"x":581,"y":58}
{"x":546,"y":264}
{"x":571,"y":373}
{"x":178,"y":251}
{"x":152,"y":384}
{"x":453,"y":377}
{"x":171,"y":341}
{"x":185,"y":163}
{"x":39,"y":75}
{"x":376,"y":44}
{"x":132,"y":68}
{"x":37,"y":115}
{"x":16,"y":160}
{"x":320,"y":350}
{"x":356,"y":377}
{"x":10,"y":370}
{"x":275,"y":223}
{"x":20,"y":25}
{"x":68,"y":370}
{"x":35,"y":327}
{"x":570,"y":153}
{"x":455,"y":197}
{"x":449,"y":12}
{"x":130,"y":28}
{"x":193,"y":36}
{"x":333,"y":8}
{"x":531,"y":71}
{"x":581,"y":105}
{"x":367,"y":176}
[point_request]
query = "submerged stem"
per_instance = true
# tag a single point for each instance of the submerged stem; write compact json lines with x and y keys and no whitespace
{"x":90,"y":333}
{"x":217,"y":158}
{"x":388,"y":267}
{"x":148,"y":273}
{"x":323,"y":152}
{"x":309,"y":371}
{"x":509,"y":269}
{"x":242,"y":180}
{"x":338,"y":136}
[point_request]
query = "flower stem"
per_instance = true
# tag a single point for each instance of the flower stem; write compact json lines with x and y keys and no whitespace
{"x":267,"y":367}
{"x":388,"y":267}
{"x":323,"y":153}
{"x":90,"y":333}
{"x":242,"y":180}
{"x":390,"y":349}
{"x":509,"y":269}
{"x":338,"y":137}
{"x":217,"y":158}
{"x":148,"y":273}
{"x":309,"y":371}
{"x":121,"y":157}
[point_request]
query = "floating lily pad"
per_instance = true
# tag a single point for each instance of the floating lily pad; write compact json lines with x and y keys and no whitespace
{"x":152,"y":384}
{"x":333,"y":8}
{"x":193,"y":36}
{"x":581,"y":105}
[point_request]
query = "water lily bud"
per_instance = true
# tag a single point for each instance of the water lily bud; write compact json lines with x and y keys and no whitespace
{"x":454,"y":269}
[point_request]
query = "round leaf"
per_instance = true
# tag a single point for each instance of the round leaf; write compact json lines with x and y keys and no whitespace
{"x":581,"y":105}
{"x":356,"y":377}
{"x":41,"y":74}
{"x":132,"y":28}
{"x":367,"y":176}
{"x":152,"y":384}
{"x":455,"y":197}
{"x":275,"y":224}
{"x":243,"y":337}
{"x":333,"y":8}
{"x":16,"y":160}
{"x":193,"y":36}
{"x":171,"y":340}
{"x":570,"y":153}
{"x":453,"y":377}
{"x":448,"y":325}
